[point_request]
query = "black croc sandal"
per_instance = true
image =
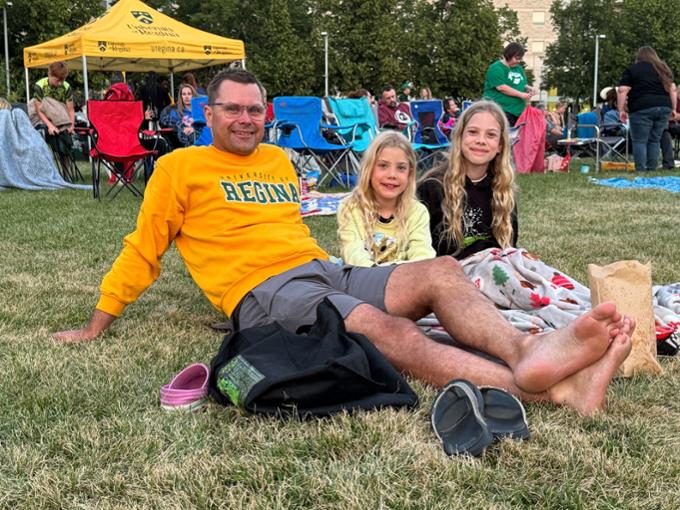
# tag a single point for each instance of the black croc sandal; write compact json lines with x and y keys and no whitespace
{"x":504,"y":414}
{"x":458,"y":419}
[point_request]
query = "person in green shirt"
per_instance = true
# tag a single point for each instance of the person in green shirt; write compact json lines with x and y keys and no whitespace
{"x":506,"y":83}
{"x":56,"y":87}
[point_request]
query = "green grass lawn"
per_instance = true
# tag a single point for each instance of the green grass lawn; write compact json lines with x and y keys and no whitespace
{"x":81,"y":427}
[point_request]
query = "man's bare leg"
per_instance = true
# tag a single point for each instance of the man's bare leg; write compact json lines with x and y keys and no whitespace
{"x":408,"y":349}
{"x":537,"y":362}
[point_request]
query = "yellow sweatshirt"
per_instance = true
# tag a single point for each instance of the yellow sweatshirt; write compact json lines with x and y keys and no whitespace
{"x":235,"y":221}
{"x":385,"y":247}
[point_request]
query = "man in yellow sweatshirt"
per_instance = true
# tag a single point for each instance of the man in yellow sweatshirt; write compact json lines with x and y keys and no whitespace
{"x":232,"y":210}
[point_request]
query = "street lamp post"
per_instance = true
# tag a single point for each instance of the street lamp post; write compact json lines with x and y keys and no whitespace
{"x":325,"y":62}
{"x":597,"y":56}
{"x":4,"y":30}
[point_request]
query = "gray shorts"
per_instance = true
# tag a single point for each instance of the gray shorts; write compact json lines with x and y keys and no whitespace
{"x":291,"y":298}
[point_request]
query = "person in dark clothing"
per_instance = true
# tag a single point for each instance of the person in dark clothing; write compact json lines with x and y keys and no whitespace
{"x":154,"y":97}
{"x":648,"y":87}
{"x":471,"y":197}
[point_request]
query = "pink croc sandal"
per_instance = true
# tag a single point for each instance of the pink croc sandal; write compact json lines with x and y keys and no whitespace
{"x":188,"y":390}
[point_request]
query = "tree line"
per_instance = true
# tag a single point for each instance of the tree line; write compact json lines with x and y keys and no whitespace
{"x":626,"y":25}
{"x":444,"y":44}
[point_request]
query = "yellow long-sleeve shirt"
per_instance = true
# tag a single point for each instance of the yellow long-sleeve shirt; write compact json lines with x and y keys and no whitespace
{"x":234,"y":219}
{"x":385,"y":247}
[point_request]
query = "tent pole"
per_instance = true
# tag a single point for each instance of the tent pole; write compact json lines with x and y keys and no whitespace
{"x":172,"y":83}
{"x":87,"y":91}
{"x":87,"y":98}
{"x":243,"y":63}
{"x":28,"y":89}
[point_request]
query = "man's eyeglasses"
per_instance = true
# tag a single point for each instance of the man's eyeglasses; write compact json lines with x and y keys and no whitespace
{"x":234,"y":110}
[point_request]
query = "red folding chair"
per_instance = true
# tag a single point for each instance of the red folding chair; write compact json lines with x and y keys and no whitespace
{"x":115,"y":143}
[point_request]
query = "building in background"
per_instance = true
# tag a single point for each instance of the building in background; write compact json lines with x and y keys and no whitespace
{"x":534,"y":24}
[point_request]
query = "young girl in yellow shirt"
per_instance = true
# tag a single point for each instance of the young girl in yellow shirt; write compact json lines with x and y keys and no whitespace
{"x":382,"y":222}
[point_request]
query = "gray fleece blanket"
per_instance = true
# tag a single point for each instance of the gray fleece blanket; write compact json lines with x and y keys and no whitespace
{"x":25,"y":159}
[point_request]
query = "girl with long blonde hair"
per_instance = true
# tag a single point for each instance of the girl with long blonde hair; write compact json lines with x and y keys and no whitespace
{"x":382,"y":222}
{"x":471,"y":196}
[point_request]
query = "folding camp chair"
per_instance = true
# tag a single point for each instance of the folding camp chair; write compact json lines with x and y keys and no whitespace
{"x":583,"y":137}
{"x":198,"y":114}
{"x":428,"y":139}
{"x":299,"y":126}
{"x":63,"y":152}
{"x":611,"y":142}
{"x":115,"y":142}
{"x":359,"y":121}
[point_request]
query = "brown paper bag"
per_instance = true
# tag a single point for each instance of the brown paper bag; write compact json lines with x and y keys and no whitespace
{"x":628,"y":283}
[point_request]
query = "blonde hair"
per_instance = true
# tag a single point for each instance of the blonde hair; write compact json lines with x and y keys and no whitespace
{"x":4,"y":104}
{"x":452,"y":175}
{"x":363,"y":196}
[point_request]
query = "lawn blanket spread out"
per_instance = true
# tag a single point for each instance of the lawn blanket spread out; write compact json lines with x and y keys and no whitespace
{"x":537,"y":298}
{"x":315,"y":203}
{"x":671,"y":184}
{"x":25,"y":159}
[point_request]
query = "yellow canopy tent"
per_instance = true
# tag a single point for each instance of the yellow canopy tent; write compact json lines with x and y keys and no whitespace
{"x":132,"y":36}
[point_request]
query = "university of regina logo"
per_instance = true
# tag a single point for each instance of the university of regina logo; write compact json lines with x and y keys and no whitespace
{"x":207,"y":49}
{"x":102,"y":46}
{"x":143,"y":17}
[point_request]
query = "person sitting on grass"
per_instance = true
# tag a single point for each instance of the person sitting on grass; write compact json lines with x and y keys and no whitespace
{"x":471,"y":196}
{"x":473,"y":211}
{"x":233,"y":211}
{"x":381,"y":222}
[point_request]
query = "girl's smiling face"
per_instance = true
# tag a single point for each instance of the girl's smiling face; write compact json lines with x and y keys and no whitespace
{"x":481,"y":141}
{"x":390,"y":174}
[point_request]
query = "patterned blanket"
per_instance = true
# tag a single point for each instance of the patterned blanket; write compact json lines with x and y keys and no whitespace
{"x":25,"y":159}
{"x":315,"y":203}
{"x":538,"y":298}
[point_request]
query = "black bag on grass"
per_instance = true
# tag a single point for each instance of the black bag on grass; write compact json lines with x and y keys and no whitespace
{"x":268,"y":370}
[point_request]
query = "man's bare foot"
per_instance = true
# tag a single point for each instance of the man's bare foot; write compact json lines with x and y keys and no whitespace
{"x":549,"y":358}
{"x":585,"y":390}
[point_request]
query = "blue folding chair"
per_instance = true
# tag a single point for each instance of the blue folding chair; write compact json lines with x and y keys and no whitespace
{"x":583,"y":136}
{"x":428,"y":139}
{"x":198,"y":114}
{"x":358,"y":117}
{"x":298,"y":126}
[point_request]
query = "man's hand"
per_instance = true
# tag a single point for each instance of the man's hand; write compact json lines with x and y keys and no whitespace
{"x":72,"y":129}
{"x":52,"y":129}
{"x":99,"y":323}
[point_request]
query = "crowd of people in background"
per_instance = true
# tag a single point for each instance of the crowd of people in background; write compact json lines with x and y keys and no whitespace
{"x":642,"y":107}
